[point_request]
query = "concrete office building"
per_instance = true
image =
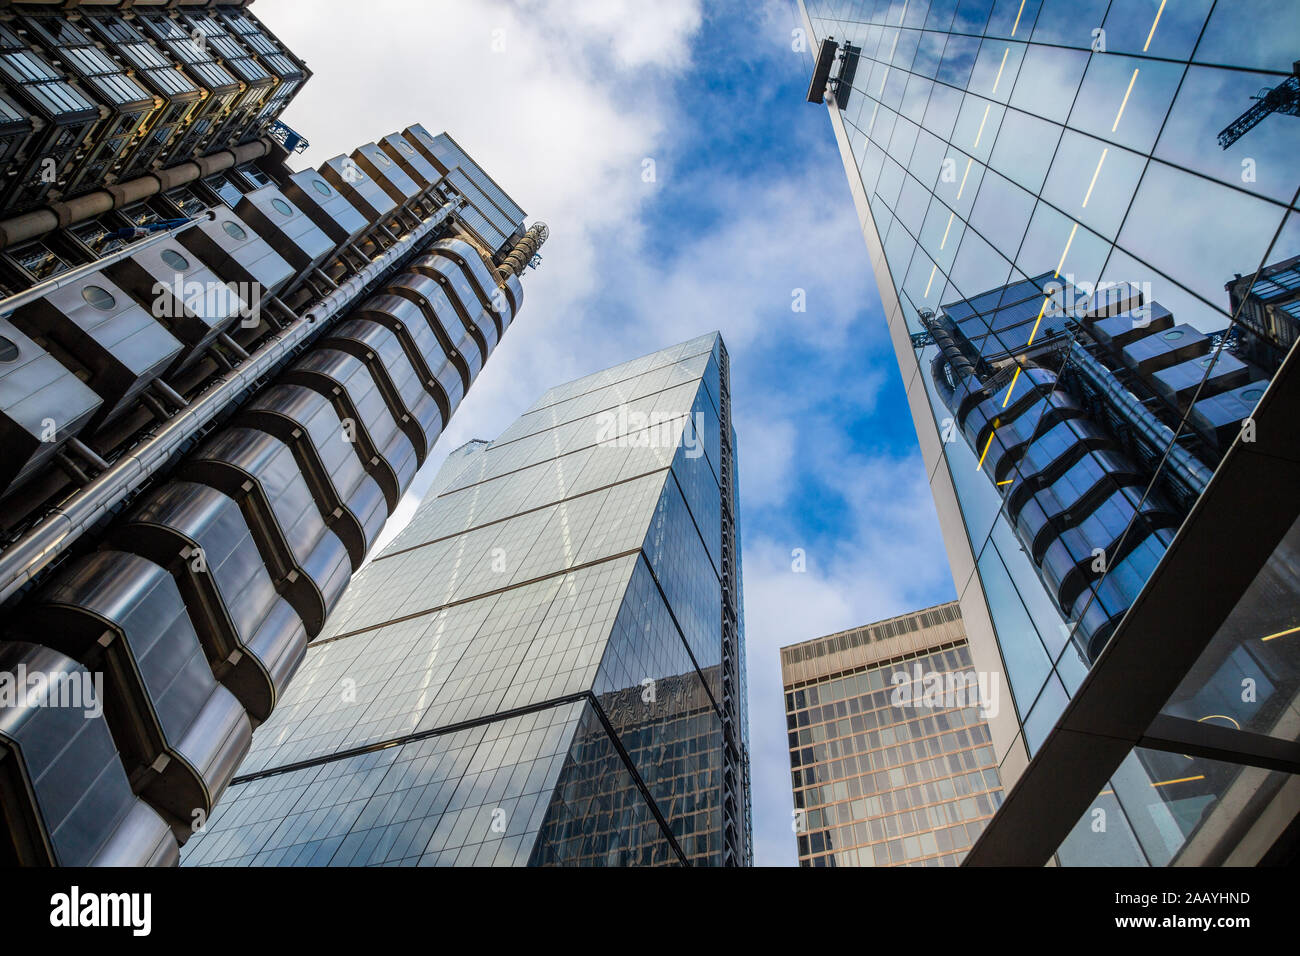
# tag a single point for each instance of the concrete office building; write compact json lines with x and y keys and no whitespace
{"x":1081,"y":217}
{"x":545,"y":667}
{"x":890,"y":756}
{"x":217,"y":378}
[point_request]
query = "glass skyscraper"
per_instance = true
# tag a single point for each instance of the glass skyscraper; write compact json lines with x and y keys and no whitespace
{"x":545,"y":667}
{"x":890,"y":756}
{"x":1082,"y":221}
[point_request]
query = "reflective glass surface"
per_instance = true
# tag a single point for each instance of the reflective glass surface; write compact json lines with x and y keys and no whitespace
{"x":1090,"y":228}
{"x":532,"y":671}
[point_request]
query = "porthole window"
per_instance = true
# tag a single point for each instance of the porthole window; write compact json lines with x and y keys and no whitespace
{"x":175,"y":260}
{"x":8,"y":350}
{"x":282,"y":207}
{"x":234,"y":230}
{"x":322,"y":187}
{"x":1173,"y":334}
{"x":1253,"y":394}
{"x":407,"y":148}
{"x":384,"y":159}
{"x":98,"y":297}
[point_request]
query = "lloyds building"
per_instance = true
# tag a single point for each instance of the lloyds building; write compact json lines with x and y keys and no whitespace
{"x":545,"y":667}
{"x":218,"y":376}
{"x":1082,"y":221}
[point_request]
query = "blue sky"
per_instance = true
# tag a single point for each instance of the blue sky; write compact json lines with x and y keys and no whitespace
{"x":564,"y":101}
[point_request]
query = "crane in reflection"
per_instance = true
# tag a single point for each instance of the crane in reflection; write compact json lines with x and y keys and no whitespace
{"x":1283,"y":98}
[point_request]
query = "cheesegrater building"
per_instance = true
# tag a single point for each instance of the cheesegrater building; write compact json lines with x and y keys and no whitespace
{"x":1081,"y":216}
{"x":545,"y":667}
{"x":218,"y":376}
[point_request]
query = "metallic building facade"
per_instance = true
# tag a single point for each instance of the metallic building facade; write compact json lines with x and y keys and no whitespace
{"x":542,"y":668}
{"x":890,"y":758}
{"x":218,"y":376}
{"x":1075,"y":213}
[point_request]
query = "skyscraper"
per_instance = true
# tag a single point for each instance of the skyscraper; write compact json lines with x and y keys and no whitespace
{"x":217,"y":378}
{"x":890,"y":757}
{"x":545,"y":667}
{"x":1082,"y":222}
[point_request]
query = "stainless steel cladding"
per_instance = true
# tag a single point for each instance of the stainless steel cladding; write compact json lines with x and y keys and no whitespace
{"x":180,"y":734}
{"x":183,"y":294}
{"x":350,"y":499}
{"x":423,"y":347}
{"x":306,"y":559}
{"x":199,"y":601}
{"x":288,"y":230}
{"x":253,"y":637}
{"x":343,"y":173}
{"x":326,"y":206}
{"x":237,"y":254}
{"x":386,"y":173}
{"x":413,"y":405}
{"x":402,"y":151}
{"x":102,"y":332}
{"x":56,"y":748}
{"x":348,"y":384}
{"x":42,"y":405}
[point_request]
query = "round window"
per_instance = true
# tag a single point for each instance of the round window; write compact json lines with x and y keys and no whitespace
{"x":99,"y":298}
{"x":1206,"y":362}
{"x":322,"y":187}
{"x":175,"y":260}
{"x":1253,"y":394}
{"x":234,"y":230}
{"x":1174,"y":334}
{"x":8,"y":350}
{"x":384,"y":159}
{"x":408,"y":149}
{"x":282,"y":207}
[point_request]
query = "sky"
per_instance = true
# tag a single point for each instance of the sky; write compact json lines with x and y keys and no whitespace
{"x":688,"y":188}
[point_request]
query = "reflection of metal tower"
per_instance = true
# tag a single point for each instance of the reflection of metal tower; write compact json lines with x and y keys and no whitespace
{"x":1283,"y":98}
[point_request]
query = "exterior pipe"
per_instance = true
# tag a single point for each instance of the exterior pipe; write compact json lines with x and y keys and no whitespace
{"x":59,"y":215}
{"x":21,"y":562}
{"x":1189,"y":470}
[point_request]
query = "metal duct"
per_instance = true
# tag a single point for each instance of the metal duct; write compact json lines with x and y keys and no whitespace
{"x":63,"y":214}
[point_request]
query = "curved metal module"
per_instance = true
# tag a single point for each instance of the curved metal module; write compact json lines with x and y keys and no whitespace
{"x":180,"y":734}
{"x":119,"y":346}
{"x":253,"y":637}
{"x":286,"y":228}
{"x":350,"y":386}
{"x":1070,"y":492}
{"x":346,"y":494}
{"x":415,"y":409}
{"x":81,"y":810}
{"x":306,"y":559}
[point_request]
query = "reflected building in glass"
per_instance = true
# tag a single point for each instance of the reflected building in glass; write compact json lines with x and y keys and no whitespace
{"x":545,"y":667}
{"x":1082,"y":221}
{"x":890,"y":756}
